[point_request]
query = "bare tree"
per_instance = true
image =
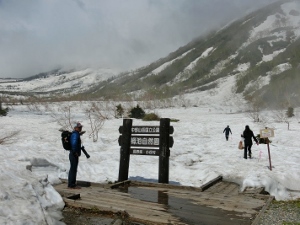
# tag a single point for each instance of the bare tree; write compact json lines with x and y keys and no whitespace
{"x":280,"y":116}
{"x":37,"y":107}
{"x":96,"y":118}
{"x":63,"y":116}
{"x":255,"y":105}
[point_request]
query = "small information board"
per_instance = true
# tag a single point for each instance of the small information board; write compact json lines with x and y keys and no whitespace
{"x":266,"y":133}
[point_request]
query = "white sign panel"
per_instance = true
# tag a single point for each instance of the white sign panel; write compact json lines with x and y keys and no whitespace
{"x":266,"y":133}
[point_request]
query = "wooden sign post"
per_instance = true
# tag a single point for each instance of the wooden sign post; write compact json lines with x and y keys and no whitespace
{"x":266,"y":133}
{"x":146,"y":140}
{"x":125,"y":149}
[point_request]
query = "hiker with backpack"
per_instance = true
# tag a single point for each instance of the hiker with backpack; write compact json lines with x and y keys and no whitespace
{"x":227,"y":130}
{"x":248,"y":135}
{"x":74,"y":155}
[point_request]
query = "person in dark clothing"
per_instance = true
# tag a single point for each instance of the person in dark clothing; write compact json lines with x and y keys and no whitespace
{"x":74,"y":155}
{"x":248,"y":135}
{"x":227,"y":130}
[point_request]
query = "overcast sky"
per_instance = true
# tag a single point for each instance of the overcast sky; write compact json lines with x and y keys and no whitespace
{"x":41,"y":35}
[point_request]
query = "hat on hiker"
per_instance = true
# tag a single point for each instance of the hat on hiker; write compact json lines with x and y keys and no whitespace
{"x":77,"y":125}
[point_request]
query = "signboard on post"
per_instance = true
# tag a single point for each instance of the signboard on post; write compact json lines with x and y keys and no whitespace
{"x":146,"y":140}
{"x":266,"y":133}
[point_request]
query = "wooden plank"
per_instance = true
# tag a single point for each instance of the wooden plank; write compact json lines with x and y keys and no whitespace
{"x":105,"y":199}
{"x":161,"y":185}
{"x":254,"y":190}
{"x":201,"y":214}
{"x":211,"y":183}
{"x":213,"y":188}
{"x":232,"y":189}
{"x":143,"y":210}
{"x":219,"y":187}
{"x":261,"y":212}
{"x":217,"y":203}
{"x":134,"y":210}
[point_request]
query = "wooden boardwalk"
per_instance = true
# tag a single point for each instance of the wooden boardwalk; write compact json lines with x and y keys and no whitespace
{"x":217,"y":202}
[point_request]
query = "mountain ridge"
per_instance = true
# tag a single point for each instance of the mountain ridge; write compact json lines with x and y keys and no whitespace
{"x":258,"y":50}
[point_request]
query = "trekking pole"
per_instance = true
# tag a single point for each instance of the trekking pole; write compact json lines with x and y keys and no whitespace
{"x":85,"y":152}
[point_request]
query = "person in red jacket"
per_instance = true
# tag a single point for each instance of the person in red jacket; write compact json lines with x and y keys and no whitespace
{"x":248,"y":135}
{"x":74,"y":155}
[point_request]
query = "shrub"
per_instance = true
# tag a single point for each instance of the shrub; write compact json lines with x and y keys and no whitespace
{"x":119,"y":111}
{"x":151,"y":117}
{"x":3,"y":112}
{"x":137,"y":112}
{"x":262,"y":140}
{"x":290,"y":112}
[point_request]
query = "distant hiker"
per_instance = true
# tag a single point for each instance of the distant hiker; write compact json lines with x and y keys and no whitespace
{"x":74,"y":155}
{"x":248,"y":135}
{"x":227,"y":130}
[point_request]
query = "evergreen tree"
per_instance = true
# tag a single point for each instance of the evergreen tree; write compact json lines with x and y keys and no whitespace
{"x":290,"y":112}
{"x":119,"y":111}
{"x":137,"y":112}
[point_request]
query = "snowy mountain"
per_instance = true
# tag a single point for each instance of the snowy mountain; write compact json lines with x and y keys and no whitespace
{"x":257,"y":55}
{"x":56,"y":82}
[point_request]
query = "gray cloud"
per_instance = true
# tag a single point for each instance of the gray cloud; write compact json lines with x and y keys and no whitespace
{"x":41,"y":35}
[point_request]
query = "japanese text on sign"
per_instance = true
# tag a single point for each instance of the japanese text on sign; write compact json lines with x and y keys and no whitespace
{"x":144,"y":141}
{"x":144,"y":152}
{"x":145,"y":130}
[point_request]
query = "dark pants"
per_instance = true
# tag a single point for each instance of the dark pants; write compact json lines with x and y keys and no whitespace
{"x":226,"y":136}
{"x":247,"y":148}
{"x":73,"y":170}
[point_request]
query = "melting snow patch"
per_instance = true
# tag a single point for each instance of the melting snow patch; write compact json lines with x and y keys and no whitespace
{"x":242,"y":67}
{"x":270,"y":57}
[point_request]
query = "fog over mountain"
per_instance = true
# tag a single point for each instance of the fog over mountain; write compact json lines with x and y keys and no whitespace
{"x":40,"y":35}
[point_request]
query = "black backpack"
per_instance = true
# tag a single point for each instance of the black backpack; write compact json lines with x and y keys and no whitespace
{"x":65,"y":139}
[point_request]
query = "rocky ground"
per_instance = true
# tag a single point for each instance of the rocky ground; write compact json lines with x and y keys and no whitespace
{"x":281,"y":213}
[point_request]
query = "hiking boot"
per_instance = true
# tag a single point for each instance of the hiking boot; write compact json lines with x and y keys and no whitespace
{"x":75,"y":187}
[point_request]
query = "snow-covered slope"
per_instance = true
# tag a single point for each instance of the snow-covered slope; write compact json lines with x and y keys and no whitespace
{"x":68,"y":83}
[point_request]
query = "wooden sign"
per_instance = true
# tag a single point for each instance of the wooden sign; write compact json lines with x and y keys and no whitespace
{"x":146,"y":140}
{"x":266,"y":133}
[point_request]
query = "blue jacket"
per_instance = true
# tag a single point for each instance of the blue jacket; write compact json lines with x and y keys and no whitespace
{"x":75,"y":143}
